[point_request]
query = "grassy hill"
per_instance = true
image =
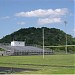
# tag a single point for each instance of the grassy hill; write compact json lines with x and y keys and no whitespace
{"x":34,"y":36}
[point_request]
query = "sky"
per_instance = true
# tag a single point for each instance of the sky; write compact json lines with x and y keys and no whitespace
{"x":17,"y":14}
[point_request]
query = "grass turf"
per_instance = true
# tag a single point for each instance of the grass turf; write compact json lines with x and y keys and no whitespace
{"x":51,"y":64}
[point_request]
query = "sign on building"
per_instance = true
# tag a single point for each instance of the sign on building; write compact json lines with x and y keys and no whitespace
{"x":17,"y":43}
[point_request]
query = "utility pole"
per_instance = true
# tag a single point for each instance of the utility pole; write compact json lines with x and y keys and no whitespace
{"x":43,"y":42}
{"x":66,"y":36}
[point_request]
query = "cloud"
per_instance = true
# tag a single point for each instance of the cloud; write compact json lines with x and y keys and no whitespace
{"x":46,"y":16}
{"x":43,"y":13}
{"x":49,"y":20}
{"x":21,"y":23}
{"x":5,"y":17}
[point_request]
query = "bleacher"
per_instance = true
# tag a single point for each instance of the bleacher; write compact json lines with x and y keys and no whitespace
{"x":25,"y":50}
{"x":28,"y":50}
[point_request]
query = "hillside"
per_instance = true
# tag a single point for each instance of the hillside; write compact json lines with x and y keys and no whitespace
{"x":34,"y":36}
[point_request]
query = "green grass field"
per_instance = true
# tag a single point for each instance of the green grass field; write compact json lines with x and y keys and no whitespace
{"x":51,"y":64}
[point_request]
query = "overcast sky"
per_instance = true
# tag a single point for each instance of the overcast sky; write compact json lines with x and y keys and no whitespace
{"x":16,"y":14}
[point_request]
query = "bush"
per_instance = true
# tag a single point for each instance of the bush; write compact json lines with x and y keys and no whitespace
{"x":2,"y":49}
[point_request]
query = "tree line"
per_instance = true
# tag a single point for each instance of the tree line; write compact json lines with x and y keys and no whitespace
{"x":32,"y":35}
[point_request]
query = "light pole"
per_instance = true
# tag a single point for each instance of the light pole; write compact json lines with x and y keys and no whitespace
{"x":66,"y":35}
{"x":43,"y":41}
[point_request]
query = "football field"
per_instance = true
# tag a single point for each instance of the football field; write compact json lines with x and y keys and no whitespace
{"x":51,"y":64}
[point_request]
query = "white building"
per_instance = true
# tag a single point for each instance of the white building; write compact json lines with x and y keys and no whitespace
{"x":17,"y":43}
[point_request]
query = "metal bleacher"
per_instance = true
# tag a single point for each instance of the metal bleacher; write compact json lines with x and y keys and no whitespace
{"x":25,"y":50}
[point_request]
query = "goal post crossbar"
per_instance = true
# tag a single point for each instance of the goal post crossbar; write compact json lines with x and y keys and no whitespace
{"x":60,"y":46}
